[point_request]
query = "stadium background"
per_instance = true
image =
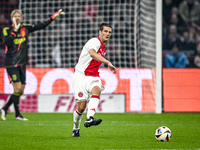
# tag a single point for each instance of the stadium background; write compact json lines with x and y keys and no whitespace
{"x":59,"y":45}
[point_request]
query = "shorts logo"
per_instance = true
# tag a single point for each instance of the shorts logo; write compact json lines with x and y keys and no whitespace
{"x":14,"y":77}
{"x":80,"y":94}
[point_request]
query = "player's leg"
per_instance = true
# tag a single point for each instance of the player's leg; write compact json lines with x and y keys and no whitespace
{"x":77,"y":116}
{"x":81,"y":97}
{"x":20,"y":89}
{"x":13,"y":75}
{"x":92,"y":106}
{"x":94,"y":101}
{"x":17,"y":78}
{"x":15,"y":97}
{"x":78,"y":113}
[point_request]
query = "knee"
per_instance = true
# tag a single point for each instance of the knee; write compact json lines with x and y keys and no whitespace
{"x":81,"y":109}
{"x":18,"y":90}
{"x":96,"y":91}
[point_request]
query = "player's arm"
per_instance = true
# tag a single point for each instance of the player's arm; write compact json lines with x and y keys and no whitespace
{"x":101,"y":59}
{"x":39,"y":26}
{"x":42,"y":25}
{"x":8,"y":37}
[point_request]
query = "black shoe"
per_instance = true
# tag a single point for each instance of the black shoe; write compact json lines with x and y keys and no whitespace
{"x":75,"y":133}
{"x":92,"y":122}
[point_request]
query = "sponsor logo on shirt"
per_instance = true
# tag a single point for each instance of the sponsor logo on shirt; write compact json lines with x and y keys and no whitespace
{"x":101,"y":52}
{"x":20,"y":40}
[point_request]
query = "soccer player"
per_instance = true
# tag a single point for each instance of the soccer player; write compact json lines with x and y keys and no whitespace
{"x":16,"y":56}
{"x":87,"y":80}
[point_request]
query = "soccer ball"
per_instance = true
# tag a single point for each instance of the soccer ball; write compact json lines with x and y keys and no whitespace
{"x":163,"y":133}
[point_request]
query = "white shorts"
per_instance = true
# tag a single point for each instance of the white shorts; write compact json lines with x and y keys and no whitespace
{"x":82,"y":86}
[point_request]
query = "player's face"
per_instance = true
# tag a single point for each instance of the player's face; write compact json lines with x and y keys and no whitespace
{"x":18,"y":17}
{"x":105,"y":34}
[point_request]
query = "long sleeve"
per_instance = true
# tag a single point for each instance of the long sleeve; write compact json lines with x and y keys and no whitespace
{"x":8,"y":37}
{"x":182,"y":62}
{"x":33,"y":28}
{"x":169,"y":62}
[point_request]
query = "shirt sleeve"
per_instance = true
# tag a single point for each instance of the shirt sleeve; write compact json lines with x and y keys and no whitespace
{"x":168,"y":63}
{"x":39,"y":26}
{"x":8,"y":37}
{"x":93,"y":43}
{"x":182,"y":62}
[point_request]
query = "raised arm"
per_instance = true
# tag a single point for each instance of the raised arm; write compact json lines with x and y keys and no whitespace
{"x":42,"y":25}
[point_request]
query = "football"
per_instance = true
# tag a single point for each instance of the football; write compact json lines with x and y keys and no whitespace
{"x":163,"y":133}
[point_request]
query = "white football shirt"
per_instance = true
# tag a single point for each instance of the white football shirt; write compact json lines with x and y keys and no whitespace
{"x":86,"y":64}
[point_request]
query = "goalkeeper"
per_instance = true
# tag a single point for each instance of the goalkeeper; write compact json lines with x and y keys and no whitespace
{"x":16,"y":56}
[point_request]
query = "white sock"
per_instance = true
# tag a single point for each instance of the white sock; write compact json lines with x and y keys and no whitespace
{"x":92,"y":106}
{"x":77,"y":119}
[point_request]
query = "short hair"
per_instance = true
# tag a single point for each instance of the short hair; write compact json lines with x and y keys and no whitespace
{"x":104,"y":24}
{"x":16,"y":11}
{"x":174,"y":44}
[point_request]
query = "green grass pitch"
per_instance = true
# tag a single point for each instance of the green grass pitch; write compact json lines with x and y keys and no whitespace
{"x":53,"y":131}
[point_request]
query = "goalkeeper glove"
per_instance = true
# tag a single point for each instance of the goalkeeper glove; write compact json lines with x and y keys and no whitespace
{"x":56,"y":15}
{"x":15,"y":25}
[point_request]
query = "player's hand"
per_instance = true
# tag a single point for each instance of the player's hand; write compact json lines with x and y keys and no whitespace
{"x":15,"y":25}
{"x":112,"y":68}
{"x":56,"y":15}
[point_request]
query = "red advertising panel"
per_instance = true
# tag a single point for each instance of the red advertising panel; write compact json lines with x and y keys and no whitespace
{"x":138,"y":85}
{"x":181,"y":89}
